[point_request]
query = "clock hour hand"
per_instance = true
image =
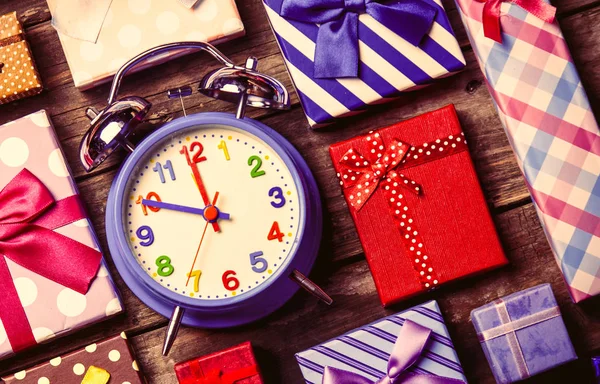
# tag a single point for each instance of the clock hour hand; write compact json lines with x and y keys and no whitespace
{"x":209,"y":216}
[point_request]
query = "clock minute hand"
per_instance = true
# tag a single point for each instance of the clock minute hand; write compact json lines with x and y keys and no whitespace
{"x":181,"y":208}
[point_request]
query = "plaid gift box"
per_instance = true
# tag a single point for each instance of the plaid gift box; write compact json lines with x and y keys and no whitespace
{"x":551,"y":127}
{"x":386,"y":61}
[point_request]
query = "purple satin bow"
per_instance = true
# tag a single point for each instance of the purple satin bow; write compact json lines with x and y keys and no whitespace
{"x":337,"y":52}
{"x":407,"y":350}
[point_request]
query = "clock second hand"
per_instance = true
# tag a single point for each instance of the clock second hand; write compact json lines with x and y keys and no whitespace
{"x":189,"y":275}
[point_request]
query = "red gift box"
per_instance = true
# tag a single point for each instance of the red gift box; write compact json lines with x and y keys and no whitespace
{"x":417,"y":205}
{"x":236,"y":365}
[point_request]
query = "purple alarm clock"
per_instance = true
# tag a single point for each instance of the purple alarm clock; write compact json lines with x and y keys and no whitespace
{"x":214,"y":219}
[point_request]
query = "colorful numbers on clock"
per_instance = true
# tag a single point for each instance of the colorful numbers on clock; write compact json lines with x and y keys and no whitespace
{"x":196,"y":275}
{"x":275,"y":233}
{"x":164,"y":266}
{"x":146,"y":235}
{"x":259,"y":264}
{"x":149,"y":196}
{"x":229,"y":281}
{"x":277,"y":194}
{"x":255,"y":172}
{"x":195,"y":150}
{"x":223,"y":145}
{"x":159,"y":168}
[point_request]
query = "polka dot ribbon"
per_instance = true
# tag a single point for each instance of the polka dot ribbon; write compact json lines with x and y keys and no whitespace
{"x":28,"y":215}
{"x":362,"y":176}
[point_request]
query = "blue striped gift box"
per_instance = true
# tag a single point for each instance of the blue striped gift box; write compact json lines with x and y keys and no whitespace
{"x":366,"y":350}
{"x":389,"y":64}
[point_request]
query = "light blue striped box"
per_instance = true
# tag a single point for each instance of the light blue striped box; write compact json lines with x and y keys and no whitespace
{"x":366,"y":350}
{"x":389,"y":65}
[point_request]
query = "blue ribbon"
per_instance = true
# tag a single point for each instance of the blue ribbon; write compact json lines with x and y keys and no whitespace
{"x":337,"y":53}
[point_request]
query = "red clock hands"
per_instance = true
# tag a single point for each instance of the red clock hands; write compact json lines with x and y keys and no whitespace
{"x":196,"y":150}
{"x":200,"y":244}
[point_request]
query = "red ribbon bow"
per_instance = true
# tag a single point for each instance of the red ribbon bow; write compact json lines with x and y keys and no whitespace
{"x":28,"y":215}
{"x":491,"y":14}
{"x":216,"y":376}
{"x":361,"y":176}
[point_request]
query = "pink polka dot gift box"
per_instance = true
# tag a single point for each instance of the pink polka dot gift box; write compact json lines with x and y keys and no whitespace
{"x":129,"y":27}
{"x":52,"y":276}
{"x":109,"y":361}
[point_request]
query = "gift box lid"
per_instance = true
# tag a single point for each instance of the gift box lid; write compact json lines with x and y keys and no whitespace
{"x":29,"y":145}
{"x":111,"y":358}
{"x":236,"y":364}
{"x":366,"y":350}
{"x":551,"y":127}
{"x":388,"y":63}
{"x":415,"y":239}
{"x":132,"y":27}
{"x":523,"y":334}
{"x":18,"y":75}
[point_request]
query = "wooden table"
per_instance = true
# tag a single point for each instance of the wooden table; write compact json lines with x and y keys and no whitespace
{"x":341,"y":268}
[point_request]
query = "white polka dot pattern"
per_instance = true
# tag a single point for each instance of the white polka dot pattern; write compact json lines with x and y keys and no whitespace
{"x":18,"y":76}
{"x":79,"y":369}
{"x":133,"y":26}
{"x":30,"y":143}
{"x":360,"y":177}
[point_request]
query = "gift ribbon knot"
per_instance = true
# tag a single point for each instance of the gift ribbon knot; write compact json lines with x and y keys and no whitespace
{"x":339,"y":28}
{"x":28,"y":216}
{"x":491,"y":14}
{"x":408,"y":348}
{"x":508,"y":328}
{"x":361,"y":176}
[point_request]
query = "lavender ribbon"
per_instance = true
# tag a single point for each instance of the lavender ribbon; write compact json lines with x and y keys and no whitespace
{"x":337,"y":52}
{"x":407,"y":351}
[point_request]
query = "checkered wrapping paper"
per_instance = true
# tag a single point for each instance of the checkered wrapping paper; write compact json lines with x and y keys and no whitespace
{"x":553,"y":132}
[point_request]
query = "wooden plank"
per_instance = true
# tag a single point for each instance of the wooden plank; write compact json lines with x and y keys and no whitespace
{"x":303,"y":323}
{"x":341,"y":267}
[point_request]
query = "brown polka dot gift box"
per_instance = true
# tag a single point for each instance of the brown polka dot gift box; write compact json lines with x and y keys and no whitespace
{"x":420,"y":214}
{"x":18,"y":76}
{"x":110,"y":361}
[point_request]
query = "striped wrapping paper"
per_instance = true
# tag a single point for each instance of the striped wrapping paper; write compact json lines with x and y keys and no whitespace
{"x":366,"y":350}
{"x":551,"y":127}
{"x":389,"y":64}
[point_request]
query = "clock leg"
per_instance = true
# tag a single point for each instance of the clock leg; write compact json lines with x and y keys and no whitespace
{"x":172,"y":329}
{"x":312,"y":288}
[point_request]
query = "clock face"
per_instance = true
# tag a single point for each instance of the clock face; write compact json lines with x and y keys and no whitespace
{"x":212,"y":212}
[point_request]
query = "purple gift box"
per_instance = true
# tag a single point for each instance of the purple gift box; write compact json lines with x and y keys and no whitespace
{"x":523,"y":334}
{"x":47,"y":309}
{"x":596,"y":365}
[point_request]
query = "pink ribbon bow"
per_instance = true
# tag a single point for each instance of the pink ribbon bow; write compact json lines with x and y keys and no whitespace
{"x":491,"y":14}
{"x":28,"y":215}
{"x":407,"y":351}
